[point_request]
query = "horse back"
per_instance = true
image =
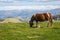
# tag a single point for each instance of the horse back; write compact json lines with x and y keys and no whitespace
{"x":42,"y":17}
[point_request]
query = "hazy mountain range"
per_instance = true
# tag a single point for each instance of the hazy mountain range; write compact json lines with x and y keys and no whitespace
{"x":26,"y":13}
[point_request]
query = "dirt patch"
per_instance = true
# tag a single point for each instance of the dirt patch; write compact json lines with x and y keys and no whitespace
{"x":33,"y":36}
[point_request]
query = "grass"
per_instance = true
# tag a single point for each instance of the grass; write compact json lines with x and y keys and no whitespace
{"x":22,"y":31}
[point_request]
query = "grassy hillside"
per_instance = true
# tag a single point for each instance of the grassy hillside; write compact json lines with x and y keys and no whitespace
{"x":22,"y":31}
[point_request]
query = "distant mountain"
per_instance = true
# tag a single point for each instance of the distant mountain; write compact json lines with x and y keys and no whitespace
{"x":55,"y":11}
{"x":25,"y":14}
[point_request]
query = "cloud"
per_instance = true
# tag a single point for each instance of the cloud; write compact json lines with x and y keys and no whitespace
{"x":17,"y":3}
{"x":27,"y":0}
{"x":6,"y":0}
{"x":36,"y":0}
{"x":35,"y":4}
{"x":29,"y":7}
{"x":39,"y":0}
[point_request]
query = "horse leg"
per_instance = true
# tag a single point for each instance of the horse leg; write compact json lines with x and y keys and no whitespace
{"x":51,"y":22}
{"x":47,"y":23}
{"x":37,"y":25}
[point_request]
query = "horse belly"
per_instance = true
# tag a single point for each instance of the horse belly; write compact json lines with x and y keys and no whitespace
{"x":41,"y":19}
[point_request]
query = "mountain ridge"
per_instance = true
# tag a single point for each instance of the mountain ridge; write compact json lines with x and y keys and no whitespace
{"x":25,"y":13}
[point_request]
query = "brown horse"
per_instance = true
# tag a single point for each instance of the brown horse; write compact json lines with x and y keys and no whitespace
{"x":41,"y":17}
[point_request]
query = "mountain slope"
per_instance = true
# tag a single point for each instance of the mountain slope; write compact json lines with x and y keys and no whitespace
{"x":25,"y":13}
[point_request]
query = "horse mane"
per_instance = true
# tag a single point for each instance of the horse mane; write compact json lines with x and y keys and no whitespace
{"x":33,"y":17}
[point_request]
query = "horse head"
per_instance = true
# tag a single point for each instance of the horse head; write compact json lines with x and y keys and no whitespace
{"x":31,"y":21}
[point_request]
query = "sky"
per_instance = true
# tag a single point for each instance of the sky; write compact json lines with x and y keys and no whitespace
{"x":29,"y":4}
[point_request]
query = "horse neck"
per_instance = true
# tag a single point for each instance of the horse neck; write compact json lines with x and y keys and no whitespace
{"x":32,"y":18}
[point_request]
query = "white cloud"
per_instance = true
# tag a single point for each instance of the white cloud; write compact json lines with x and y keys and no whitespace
{"x":29,"y":7}
{"x":39,"y":0}
{"x":17,"y":3}
{"x":6,"y":0}
{"x":3,"y":0}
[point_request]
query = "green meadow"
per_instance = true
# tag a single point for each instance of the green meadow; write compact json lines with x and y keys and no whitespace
{"x":22,"y":31}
